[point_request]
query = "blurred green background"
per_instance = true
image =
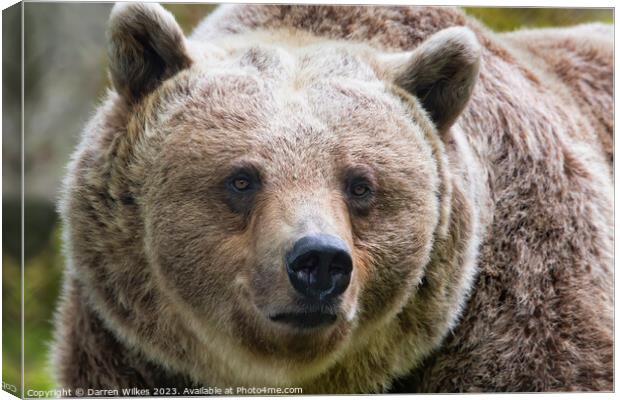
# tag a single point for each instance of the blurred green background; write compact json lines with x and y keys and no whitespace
{"x":65,"y":77}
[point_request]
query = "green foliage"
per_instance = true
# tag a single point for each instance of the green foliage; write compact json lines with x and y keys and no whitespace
{"x":42,"y":283}
{"x":11,"y":321}
{"x":508,"y":19}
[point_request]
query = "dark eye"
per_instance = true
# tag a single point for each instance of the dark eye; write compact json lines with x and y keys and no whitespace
{"x":241,"y":183}
{"x":360,"y":189}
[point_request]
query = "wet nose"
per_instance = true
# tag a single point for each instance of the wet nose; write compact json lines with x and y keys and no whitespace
{"x":319,"y":267}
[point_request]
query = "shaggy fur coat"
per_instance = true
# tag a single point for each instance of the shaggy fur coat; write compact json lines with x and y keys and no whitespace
{"x":539,"y":123}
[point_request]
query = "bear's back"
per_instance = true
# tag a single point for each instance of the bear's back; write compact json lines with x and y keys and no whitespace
{"x":581,"y":59}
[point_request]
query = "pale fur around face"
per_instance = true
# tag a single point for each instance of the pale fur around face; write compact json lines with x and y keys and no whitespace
{"x":172,"y":280}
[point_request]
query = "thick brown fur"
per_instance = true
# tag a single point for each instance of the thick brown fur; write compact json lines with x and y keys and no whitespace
{"x":484,"y":262}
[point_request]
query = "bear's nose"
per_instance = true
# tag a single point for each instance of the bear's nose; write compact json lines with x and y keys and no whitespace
{"x":319,"y":266}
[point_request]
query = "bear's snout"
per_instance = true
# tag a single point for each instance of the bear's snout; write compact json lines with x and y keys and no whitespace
{"x":319,"y":267}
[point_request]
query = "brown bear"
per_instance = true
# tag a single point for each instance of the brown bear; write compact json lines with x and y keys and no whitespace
{"x":344,"y":200}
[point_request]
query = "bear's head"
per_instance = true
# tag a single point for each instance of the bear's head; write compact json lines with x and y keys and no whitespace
{"x":264,"y":200}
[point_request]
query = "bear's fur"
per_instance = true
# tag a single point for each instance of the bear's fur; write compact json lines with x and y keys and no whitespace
{"x":482,"y":257}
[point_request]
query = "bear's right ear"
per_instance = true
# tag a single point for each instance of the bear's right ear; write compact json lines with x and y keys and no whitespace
{"x":145,"y":47}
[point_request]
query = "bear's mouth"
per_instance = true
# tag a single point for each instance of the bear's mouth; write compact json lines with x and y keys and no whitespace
{"x":305,"y":320}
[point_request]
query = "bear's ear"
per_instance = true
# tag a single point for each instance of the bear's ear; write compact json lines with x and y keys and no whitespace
{"x":145,"y":47}
{"x":441,"y":73}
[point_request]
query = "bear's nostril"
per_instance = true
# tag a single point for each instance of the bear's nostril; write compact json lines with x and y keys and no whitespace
{"x":309,"y":262}
{"x":319,"y":266}
{"x":341,"y":264}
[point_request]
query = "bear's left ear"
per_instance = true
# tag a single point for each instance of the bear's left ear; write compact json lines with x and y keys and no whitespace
{"x":441,"y":73}
{"x":145,"y":47}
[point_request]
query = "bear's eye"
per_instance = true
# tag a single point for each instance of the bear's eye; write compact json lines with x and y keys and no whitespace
{"x":360,"y":189}
{"x":241,"y":184}
{"x":243,"y":181}
{"x":241,"y":187}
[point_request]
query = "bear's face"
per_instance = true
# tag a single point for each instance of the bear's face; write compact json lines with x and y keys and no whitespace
{"x":249,"y":163}
{"x":288,"y":187}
